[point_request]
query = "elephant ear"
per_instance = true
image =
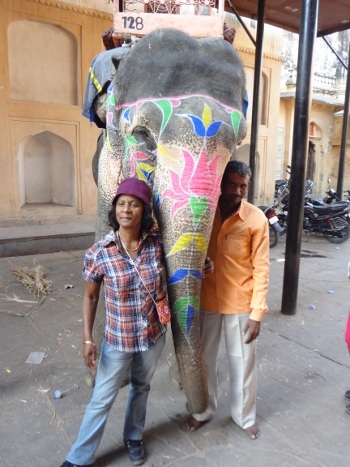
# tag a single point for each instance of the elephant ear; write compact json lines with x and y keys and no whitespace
{"x":118,"y":56}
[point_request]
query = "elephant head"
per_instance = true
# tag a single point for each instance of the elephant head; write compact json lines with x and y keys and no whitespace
{"x":174,"y":118}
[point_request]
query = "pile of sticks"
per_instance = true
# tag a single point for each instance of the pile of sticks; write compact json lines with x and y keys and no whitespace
{"x":33,"y":280}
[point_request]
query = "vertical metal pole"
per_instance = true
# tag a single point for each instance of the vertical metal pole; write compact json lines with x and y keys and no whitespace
{"x":254,"y":132}
{"x":344,"y":136}
{"x":307,"y":36}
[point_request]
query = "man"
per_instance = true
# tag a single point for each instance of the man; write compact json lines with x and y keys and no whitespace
{"x":235,"y":295}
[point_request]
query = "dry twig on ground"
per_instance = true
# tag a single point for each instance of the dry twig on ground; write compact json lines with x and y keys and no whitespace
{"x":33,"y":280}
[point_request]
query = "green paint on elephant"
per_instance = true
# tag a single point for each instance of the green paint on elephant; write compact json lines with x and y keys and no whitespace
{"x":110,"y":100}
{"x":236,"y":120}
{"x":167,"y":110}
{"x":130,"y":141}
{"x":185,"y":309}
{"x":198,"y":208}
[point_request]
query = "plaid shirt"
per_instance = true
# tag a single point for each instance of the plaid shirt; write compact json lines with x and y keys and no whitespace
{"x":131,"y":316}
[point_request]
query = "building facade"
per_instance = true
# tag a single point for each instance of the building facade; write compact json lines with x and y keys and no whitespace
{"x":46,"y":145}
{"x":325,"y":132}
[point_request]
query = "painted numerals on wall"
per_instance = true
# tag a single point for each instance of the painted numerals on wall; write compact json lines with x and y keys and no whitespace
{"x":133,"y":23}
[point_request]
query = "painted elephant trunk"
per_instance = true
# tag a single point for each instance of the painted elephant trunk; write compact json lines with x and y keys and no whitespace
{"x":186,"y":232}
{"x":191,"y":366}
{"x":186,"y":335}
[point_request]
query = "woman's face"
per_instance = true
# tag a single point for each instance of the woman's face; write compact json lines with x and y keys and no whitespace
{"x":128,"y":211}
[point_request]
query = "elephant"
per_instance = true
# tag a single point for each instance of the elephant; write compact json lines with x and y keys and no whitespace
{"x":174,"y":117}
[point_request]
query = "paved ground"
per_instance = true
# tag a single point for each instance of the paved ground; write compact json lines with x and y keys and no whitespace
{"x":303,"y":375}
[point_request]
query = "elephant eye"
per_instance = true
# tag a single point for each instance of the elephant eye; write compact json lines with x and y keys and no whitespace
{"x":144,"y":137}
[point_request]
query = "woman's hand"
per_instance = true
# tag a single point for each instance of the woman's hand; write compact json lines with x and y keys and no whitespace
{"x":208,"y":267}
{"x":90,"y":300}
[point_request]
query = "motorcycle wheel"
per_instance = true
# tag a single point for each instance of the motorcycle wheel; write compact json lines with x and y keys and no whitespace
{"x":282,"y":220}
{"x":273,"y":237}
{"x":344,"y":227}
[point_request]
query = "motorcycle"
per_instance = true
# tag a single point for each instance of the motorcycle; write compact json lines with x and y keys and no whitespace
{"x":282,"y":189}
{"x":274,"y":227}
{"x":332,"y":198}
{"x":282,"y":185}
{"x":330,"y":220}
{"x":329,"y":198}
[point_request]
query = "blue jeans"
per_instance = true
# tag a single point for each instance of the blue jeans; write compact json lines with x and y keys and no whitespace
{"x":112,"y":368}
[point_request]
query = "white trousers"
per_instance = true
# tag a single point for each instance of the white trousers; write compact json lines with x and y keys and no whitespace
{"x":241,"y":362}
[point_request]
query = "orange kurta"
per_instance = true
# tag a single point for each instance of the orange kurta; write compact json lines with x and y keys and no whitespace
{"x":239,"y":248}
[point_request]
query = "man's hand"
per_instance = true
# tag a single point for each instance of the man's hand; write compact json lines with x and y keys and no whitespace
{"x":89,"y":355}
{"x":254,"y":330}
{"x":208,"y":267}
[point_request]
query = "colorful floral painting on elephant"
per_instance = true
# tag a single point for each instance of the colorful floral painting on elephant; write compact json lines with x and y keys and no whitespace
{"x":174,"y":117}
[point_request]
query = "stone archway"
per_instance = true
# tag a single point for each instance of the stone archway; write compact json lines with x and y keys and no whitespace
{"x":46,"y":170}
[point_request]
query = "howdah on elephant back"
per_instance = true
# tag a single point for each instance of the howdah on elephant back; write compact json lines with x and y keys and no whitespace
{"x":173,"y":118}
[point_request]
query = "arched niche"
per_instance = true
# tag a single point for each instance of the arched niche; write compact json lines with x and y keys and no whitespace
{"x":43,"y":63}
{"x":315,"y":131}
{"x":46,"y":170}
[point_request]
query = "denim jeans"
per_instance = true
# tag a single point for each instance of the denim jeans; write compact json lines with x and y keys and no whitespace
{"x":112,"y":368}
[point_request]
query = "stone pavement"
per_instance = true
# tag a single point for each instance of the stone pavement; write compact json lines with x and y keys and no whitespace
{"x":303,"y":373}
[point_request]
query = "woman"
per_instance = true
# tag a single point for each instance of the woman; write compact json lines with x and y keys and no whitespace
{"x":127,"y":260}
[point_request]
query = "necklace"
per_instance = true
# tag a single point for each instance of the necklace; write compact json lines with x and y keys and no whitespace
{"x":124,"y":246}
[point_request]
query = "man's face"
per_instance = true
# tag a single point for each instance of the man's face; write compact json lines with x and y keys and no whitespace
{"x":235,"y":188}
